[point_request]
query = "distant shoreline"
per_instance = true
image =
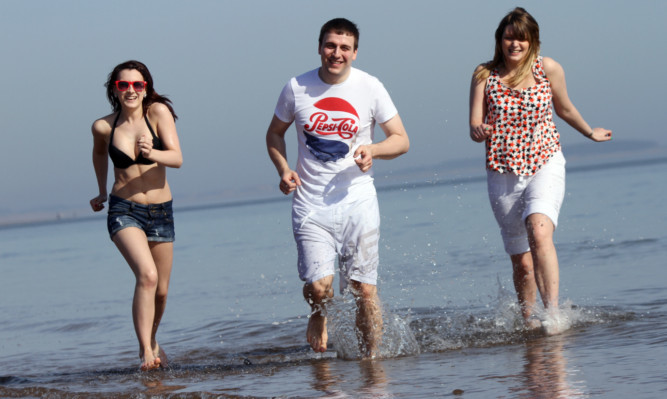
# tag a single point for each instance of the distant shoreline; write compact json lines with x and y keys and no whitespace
{"x":436,"y":175}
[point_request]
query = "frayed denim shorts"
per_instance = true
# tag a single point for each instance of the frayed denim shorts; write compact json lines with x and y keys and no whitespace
{"x":156,"y":220}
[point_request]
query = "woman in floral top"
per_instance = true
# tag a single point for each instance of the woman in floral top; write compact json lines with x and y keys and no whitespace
{"x":510,"y":110}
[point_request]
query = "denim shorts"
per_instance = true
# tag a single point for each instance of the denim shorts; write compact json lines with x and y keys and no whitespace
{"x":156,"y":220}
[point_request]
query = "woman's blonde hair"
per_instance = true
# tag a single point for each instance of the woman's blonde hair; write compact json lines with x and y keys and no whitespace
{"x":524,"y":27}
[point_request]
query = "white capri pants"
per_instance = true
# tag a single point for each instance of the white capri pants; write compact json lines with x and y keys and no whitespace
{"x":513,"y":198}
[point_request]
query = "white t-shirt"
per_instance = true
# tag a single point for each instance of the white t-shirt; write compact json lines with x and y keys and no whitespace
{"x":331,"y":122}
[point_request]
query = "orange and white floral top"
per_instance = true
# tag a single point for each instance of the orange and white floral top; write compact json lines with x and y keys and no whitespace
{"x":524,"y":135}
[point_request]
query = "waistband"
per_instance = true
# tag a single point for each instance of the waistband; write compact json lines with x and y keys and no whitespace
{"x":135,"y":205}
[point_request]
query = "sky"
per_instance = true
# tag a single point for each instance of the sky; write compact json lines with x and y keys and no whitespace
{"x":223,"y":64}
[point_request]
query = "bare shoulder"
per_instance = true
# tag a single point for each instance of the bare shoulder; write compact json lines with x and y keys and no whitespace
{"x":158,"y":111}
{"x":102,"y":127}
{"x":481,"y":73}
{"x":481,"y":67}
{"x":551,"y":67}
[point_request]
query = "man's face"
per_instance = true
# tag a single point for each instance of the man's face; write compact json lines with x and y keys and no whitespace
{"x":337,"y":53}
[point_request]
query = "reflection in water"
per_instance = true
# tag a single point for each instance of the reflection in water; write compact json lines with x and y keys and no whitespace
{"x":154,"y":386}
{"x":323,"y":380}
{"x":545,"y":371}
{"x":374,"y":379}
{"x":372,"y":382}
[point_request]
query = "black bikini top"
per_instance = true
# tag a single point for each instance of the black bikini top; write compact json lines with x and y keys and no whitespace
{"x":120,"y":159}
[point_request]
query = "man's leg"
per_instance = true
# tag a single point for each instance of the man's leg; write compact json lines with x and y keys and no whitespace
{"x":317,"y":294}
{"x":369,"y":317}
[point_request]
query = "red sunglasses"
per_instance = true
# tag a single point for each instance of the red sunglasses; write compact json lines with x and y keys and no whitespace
{"x":138,"y":85}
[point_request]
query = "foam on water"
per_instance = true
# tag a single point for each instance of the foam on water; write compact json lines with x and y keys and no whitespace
{"x":397,"y":337}
{"x":499,"y":323}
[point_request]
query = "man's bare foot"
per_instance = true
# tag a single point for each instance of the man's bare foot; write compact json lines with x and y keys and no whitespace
{"x":370,"y":345}
{"x":159,"y":354}
{"x":316,"y":334}
{"x":370,"y":355}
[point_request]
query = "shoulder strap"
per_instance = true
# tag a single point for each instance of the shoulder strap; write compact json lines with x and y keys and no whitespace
{"x":538,"y":69}
{"x":149,"y":126}
{"x":113,"y":128}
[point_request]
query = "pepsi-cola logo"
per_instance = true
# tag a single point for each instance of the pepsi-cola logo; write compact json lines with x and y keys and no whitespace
{"x":339,"y":118}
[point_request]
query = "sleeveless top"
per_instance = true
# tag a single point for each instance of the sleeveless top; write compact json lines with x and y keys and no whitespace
{"x":120,"y":159}
{"x":524,"y":135}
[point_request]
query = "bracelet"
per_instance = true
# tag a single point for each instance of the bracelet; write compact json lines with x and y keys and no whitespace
{"x":590,"y":135}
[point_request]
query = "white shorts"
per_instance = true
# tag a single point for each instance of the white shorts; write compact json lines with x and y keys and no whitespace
{"x":514,"y":198}
{"x":347,"y":232}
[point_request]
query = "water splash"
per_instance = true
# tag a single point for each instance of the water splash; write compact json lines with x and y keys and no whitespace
{"x":499,"y":323}
{"x":397,"y":336}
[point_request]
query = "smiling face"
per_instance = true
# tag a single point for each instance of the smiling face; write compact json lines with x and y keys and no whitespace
{"x":337,"y":53}
{"x":514,"y":49}
{"x":130,"y":98}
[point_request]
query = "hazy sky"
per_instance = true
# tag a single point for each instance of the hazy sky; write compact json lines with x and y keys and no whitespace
{"x":223,"y":63}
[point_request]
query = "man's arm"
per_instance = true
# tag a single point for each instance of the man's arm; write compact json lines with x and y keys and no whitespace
{"x":275,"y":144}
{"x":395,"y":144}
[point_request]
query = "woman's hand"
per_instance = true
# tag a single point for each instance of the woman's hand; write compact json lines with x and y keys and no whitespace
{"x":480,"y":132}
{"x":97,"y":203}
{"x":145,"y":144}
{"x":600,"y":134}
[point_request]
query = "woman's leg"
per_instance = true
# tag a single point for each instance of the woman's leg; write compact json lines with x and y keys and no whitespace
{"x":540,"y":237}
{"x":524,"y":282}
{"x":134,"y":247}
{"x":163,"y":256}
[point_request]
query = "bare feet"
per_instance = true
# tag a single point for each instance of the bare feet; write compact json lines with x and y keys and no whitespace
{"x":555,"y":322}
{"x":532,"y":324}
{"x":316,"y":334}
{"x":160,"y":355}
{"x":149,"y":362}
{"x":369,"y":319}
{"x":370,"y":355}
{"x":370,"y":346}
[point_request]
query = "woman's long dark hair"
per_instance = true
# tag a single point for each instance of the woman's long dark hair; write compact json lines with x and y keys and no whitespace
{"x":151,"y":94}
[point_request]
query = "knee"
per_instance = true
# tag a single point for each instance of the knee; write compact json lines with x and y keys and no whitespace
{"x":318,"y":291}
{"x":540,"y":230}
{"x":161,"y":295}
{"x":147,"y":280}
{"x":364,"y":292}
{"x":522,"y":265}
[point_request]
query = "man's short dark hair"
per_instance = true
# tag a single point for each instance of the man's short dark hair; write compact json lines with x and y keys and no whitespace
{"x":340,"y":26}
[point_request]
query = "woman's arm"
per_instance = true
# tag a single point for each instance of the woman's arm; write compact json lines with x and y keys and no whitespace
{"x":165,"y":126}
{"x":479,"y":131}
{"x":101,"y":132}
{"x":564,"y":108}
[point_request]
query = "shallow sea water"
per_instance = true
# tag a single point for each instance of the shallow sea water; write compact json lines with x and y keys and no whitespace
{"x":235,"y":321}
